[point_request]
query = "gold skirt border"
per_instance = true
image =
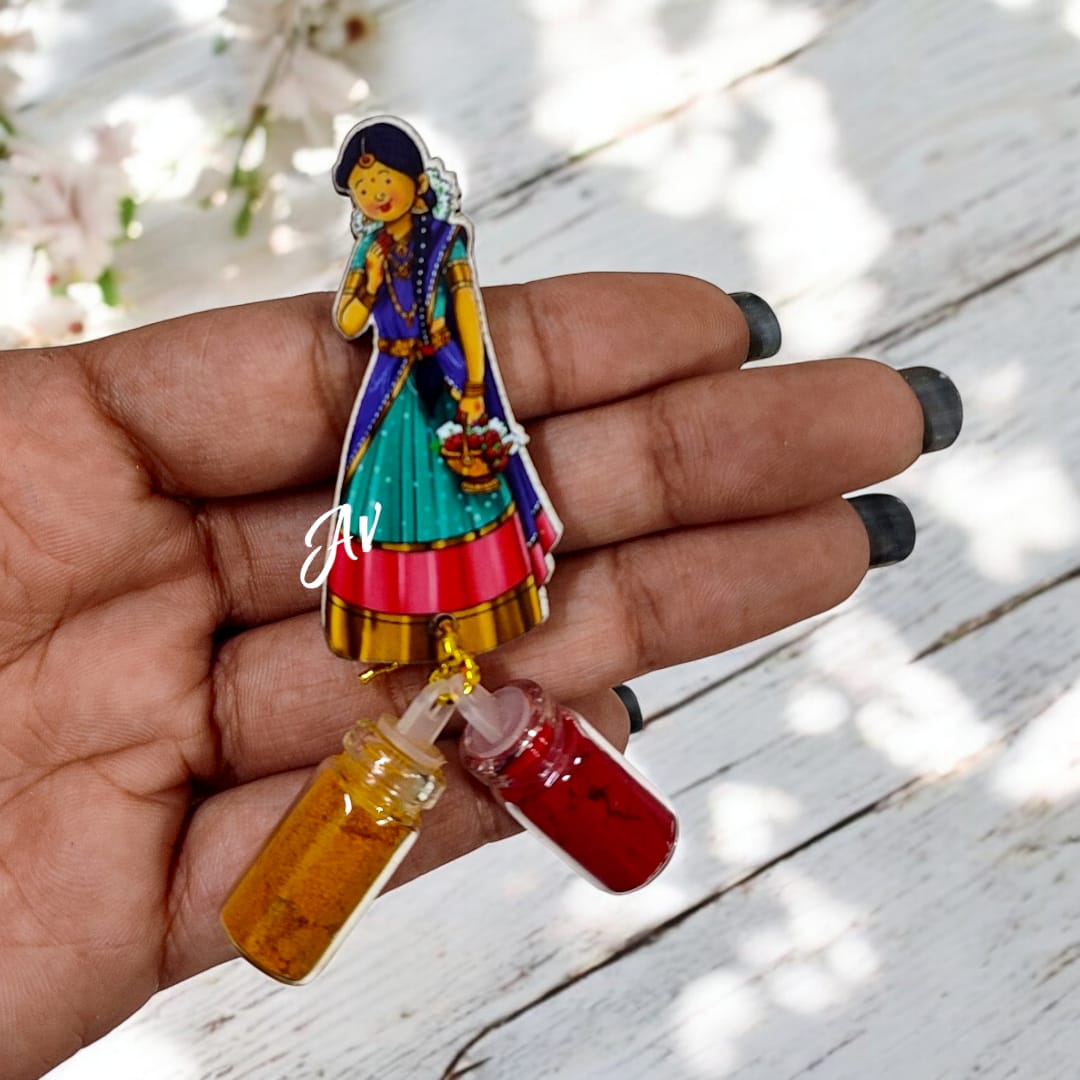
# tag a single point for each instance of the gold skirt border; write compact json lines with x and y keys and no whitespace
{"x":377,"y":637}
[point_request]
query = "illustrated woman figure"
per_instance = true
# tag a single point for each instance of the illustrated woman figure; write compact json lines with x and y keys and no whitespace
{"x":433,"y":456}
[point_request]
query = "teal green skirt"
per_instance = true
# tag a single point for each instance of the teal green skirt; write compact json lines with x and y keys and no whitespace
{"x":402,"y":471}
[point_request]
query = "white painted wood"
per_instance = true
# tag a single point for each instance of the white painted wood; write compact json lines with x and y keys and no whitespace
{"x":863,"y":192}
{"x":936,"y":937}
{"x":77,"y":38}
{"x":855,"y":203}
{"x":497,"y":103}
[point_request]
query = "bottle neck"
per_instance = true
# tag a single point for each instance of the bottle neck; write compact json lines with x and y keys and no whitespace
{"x":533,"y":748}
{"x":386,"y":778}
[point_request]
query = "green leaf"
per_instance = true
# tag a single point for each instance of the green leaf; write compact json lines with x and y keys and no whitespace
{"x":242,"y":224}
{"x":221,"y":43}
{"x":249,"y":180}
{"x":127,"y":212}
{"x":110,"y":289}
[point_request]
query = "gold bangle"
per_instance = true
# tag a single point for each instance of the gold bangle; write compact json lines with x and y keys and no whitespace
{"x":458,"y":269}
{"x":352,"y":282}
{"x":366,"y":299}
{"x":473,"y":388}
{"x":459,"y":274}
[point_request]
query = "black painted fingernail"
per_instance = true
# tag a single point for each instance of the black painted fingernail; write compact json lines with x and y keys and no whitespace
{"x":942,"y":409}
{"x":889,"y":525}
{"x":630,"y":703}
{"x":764,"y":325}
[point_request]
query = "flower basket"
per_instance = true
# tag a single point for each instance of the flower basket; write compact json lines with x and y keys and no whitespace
{"x":477,"y":453}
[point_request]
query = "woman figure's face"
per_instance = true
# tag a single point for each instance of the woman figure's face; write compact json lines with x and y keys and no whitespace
{"x":381,"y":193}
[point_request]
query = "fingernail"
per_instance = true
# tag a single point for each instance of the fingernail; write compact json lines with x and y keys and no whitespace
{"x":942,"y":409}
{"x":889,"y":525}
{"x":764,"y":325}
{"x":630,"y":703}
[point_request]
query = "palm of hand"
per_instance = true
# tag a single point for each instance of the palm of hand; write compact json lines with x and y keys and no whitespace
{"x":156,"y":488}
{"x":109,"y":608}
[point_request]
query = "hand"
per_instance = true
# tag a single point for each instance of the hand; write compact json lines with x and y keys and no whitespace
{"x":471,"y":409}
{"x":375,"y":264}
{"x":165,"y":683}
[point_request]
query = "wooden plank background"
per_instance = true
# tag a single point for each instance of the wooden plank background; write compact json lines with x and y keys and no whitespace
{"x":878,"y":871}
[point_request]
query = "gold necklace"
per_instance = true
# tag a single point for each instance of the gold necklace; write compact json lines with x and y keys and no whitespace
{"x":407,"y":316}
{"x":399,"y":262}
{"x":400,"y":258}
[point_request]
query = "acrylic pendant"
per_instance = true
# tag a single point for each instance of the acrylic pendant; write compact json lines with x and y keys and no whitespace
{"x":433,"y":454}
{"x":440,"y":544}
{"x":564,"y":782}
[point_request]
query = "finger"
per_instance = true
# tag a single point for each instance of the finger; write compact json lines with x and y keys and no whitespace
{"x":714,"y":448}
{"x":727,"y":446}
{"x":255,"y":398}
{"x":257,"y":551}
{"x":227,"y":831}
{"x":282,"y":699}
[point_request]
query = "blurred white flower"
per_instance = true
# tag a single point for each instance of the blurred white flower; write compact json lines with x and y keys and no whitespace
{"x":35,"y":311}
{"x":340,"y":25}
{"x":113,"y":143}
{"x":52,"y":320}
{"x":67,"y":207}
{"x":15,"y":41}
{"x":9,"y":86}
{"x":312,"y":38}
{"x":61,"y":214}
{"x":259,"y":20}
{"x":301,"y":50}
{"x":326,"y":26}
{"x":311,"y":88}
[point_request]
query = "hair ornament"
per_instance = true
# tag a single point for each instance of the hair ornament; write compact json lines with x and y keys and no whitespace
{"x":444,"y":186}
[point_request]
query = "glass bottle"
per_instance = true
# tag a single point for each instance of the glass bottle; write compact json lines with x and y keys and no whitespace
{"x":562,"y":780}
{"x":339,"y":843}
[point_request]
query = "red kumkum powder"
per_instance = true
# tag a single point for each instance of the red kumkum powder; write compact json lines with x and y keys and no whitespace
{"x":560,"y":778}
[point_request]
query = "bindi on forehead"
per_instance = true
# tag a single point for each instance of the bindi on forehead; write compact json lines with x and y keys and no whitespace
{"x":368,"y":172}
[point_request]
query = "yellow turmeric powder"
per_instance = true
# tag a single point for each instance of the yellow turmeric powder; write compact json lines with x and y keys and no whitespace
{"x":330,"y":856}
